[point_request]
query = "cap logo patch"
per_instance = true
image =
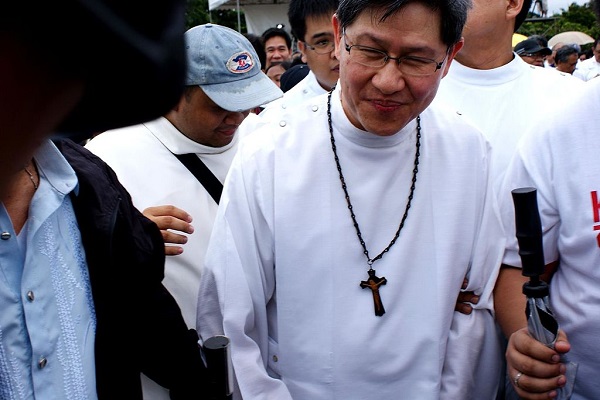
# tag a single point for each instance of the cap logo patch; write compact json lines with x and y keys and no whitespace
{"x":240,"y":63}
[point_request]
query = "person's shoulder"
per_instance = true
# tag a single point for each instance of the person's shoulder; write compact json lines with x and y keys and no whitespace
{"x":450,"y":124}
{"x":549,"y":78}
{"x":443,"y":112}
{"x":587,"y":63}
{"x":284,"y":124}
{"x":116,"y":140}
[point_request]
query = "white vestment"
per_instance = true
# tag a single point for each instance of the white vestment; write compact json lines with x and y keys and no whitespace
{"x":304,"y":90}
{"x":284,"y":266}
{"x":505,"y":102}
{"x":142,"y":157}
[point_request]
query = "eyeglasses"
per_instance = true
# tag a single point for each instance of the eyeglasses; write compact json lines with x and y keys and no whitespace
{"x":408,"y":65}
{"x":322,"y":46}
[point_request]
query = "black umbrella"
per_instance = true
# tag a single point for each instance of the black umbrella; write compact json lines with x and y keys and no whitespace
{"x":541,"y":323}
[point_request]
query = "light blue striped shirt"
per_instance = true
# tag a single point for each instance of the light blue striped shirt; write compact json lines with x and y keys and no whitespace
{"x":47,"y":319}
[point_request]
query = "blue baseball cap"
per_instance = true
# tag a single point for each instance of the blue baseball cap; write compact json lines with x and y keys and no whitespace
{"x":225,"y":65}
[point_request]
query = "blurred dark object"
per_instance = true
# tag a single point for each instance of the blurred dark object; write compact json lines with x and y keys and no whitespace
{"x":259,"y":47}
{"x":131,"y":54}
{"x":292,"y":76}
{"x":218,"y":364}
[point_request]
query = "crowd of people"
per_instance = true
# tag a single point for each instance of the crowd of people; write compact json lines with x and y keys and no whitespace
{"x":342,"y":214}
{"x":566,"y":58}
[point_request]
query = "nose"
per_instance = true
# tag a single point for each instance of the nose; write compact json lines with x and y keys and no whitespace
{"x":388,"y":79}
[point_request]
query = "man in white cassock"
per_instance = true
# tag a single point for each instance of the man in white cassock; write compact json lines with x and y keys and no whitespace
{"x":494,"y":88}
{"x":346,"y":228}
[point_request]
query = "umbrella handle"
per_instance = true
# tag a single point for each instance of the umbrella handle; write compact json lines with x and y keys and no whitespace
{"x":529,"y":233}
{"x":216,"y":351}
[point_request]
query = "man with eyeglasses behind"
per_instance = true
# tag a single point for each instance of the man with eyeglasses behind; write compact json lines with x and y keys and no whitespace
{"x":311,"y":25}
{"x":348,"y":224}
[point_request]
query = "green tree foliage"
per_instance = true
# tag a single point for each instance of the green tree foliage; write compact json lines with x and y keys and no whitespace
{"x":197,"y":13}
{"x":576,"y":18}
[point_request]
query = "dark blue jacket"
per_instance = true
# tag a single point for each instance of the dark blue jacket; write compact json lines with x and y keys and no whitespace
{"x":139,"y":324}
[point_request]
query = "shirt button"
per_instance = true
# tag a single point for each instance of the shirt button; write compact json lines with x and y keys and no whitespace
{"x":315,"y":108}
{"x":5,"y":235}
{"x":42,"y":363}
{"x":282,"y":123}
{"x":30,"y":296}
{"x":275,"y":359}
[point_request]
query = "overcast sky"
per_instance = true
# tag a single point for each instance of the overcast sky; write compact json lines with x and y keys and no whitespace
{"x":555,"y":6}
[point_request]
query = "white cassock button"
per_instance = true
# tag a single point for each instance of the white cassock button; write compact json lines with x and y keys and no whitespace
{"x":42,"y":363}
{"x":30,"y":296}
{"x":5,"y":235}
{"x":282,"y":123}
{"x":315,"y":108}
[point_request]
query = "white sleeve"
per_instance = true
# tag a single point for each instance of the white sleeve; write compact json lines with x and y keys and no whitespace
{"x":473,"y":363}
{"x":238,"y":282}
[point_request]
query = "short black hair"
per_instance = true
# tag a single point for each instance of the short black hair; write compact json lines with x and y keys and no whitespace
{"x":453,"y":13}
{"x":563,"y":54}
{"x":273,"y":32}
{"x":259,"y":47}
{"x":300,"y":10}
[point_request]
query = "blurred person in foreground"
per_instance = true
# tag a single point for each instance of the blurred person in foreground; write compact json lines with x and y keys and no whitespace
{"x":496,"y":90}
{"x":83,"y":307}
{"x":224,"y":80}
{"x":342,"y":241}
{"x":558,"y":157}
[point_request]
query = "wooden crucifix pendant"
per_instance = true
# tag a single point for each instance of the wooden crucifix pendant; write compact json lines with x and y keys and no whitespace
{"x":373,"y":283}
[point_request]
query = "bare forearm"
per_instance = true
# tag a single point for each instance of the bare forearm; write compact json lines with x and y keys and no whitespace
{"x":509,"y":300}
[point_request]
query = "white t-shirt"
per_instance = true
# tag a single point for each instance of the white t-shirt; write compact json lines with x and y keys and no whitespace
{"x":505,"y":102}
{"x":284,"y":266}
{"x":560,"y":159}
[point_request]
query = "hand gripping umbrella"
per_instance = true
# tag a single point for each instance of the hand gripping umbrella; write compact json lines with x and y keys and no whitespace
{"x":218,"y":364}
{"x":541,"y":323}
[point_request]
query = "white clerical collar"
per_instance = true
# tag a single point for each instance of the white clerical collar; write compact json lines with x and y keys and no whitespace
{"x":487,"y":77}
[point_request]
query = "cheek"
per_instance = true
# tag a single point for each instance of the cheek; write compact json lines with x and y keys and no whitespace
{"x":424,"y":90}
{"x":354,"y":75}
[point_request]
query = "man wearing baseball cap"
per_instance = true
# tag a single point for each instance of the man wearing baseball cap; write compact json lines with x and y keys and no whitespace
{"x":224,"y":80}
{"x":532,"y":52}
